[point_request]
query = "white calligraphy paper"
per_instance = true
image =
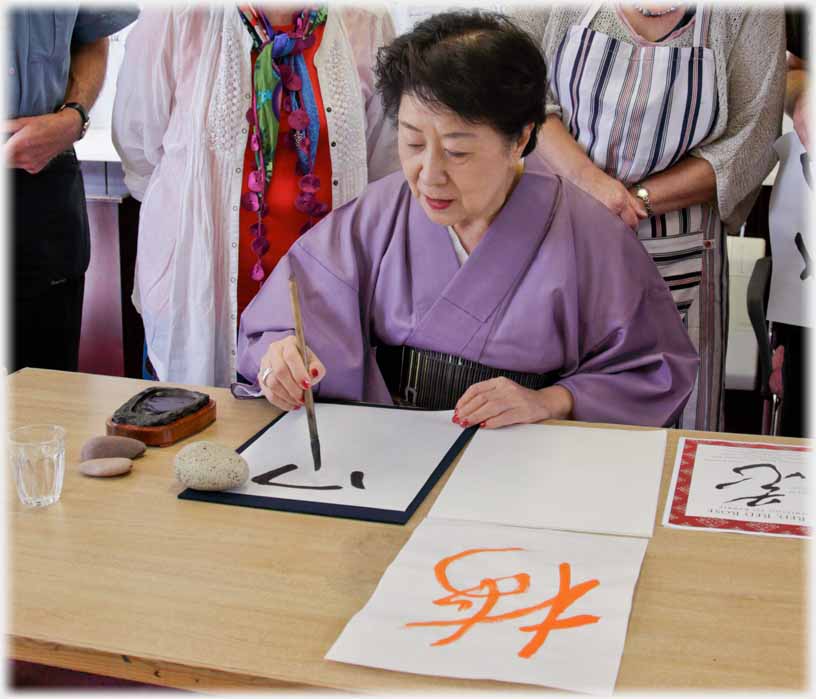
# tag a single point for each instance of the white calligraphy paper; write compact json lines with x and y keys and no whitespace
{"x":744,"y":487}
{"x":792,"y":276}
{"x":372,"y":457}
{"x":480,"y":601}
{"x":558,"y":477}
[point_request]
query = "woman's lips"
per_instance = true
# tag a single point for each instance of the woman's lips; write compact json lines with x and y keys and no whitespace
{"x":438,"y":204}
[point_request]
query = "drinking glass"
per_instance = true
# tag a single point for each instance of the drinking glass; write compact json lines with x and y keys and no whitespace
{"x":37,"y":457}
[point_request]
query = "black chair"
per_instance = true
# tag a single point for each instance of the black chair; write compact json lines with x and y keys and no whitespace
{"x":758,"y":288}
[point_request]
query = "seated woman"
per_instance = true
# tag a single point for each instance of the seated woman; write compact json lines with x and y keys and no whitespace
{"x":473,"y":279}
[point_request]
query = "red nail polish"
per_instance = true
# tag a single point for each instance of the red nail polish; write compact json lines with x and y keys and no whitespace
{"x":464,"y":423}
{"x":306,"y":384}
{"x":455,"y":419}
{"x":482,"y":424}
{"x":315,"y":372}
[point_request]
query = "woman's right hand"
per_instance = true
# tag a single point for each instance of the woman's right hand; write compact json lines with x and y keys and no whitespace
{"x":613,"y":195}
{"x":283,"y":376}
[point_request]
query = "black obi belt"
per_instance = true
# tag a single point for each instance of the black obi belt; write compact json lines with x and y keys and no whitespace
{"x":436,"y":381}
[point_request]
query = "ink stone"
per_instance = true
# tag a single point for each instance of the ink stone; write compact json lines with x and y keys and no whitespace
{"x":157,"y":406}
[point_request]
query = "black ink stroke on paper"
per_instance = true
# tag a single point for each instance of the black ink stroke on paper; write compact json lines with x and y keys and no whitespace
{"x":772,"y":492}
{"x":268,"y":477}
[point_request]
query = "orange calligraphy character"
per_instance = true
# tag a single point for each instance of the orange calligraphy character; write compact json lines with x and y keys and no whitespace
{"x":489,"y":591}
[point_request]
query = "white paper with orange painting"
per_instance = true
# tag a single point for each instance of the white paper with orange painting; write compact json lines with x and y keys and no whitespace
{"x":602,"y":481}
{"x":481,"y":601}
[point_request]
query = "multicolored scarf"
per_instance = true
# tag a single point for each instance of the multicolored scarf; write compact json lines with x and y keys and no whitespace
{"x":281,"y":81}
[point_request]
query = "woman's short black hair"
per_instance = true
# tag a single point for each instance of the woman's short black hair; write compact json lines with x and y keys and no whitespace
{"x":478,"y":64}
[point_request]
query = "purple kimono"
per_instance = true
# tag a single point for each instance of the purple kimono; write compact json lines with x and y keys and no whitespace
{"x":557,"y":284}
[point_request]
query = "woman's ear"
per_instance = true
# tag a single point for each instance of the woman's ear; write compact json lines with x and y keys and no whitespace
{"x":523,"y":139}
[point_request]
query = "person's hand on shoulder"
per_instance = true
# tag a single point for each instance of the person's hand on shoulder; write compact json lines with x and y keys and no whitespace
{"x":499,"y":402}
{"x":283,"y":377}
{"x":34,"y":141}
{"x":613,"y":195}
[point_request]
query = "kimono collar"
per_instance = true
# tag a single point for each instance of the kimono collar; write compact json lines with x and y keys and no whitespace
{"x":469,"y":295}
{"x":508,"y":248}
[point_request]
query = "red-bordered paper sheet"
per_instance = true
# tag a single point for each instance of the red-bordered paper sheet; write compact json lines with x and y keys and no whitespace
{"x":742,"y":487}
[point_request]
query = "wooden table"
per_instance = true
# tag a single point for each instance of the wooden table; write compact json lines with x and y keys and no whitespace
{"x":121,"y":578}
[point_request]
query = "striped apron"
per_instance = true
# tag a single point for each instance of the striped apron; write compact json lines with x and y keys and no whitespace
{"x":637,"y":110}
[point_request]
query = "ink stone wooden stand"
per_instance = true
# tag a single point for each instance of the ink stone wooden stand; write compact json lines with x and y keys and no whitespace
{"x":165,"y":435}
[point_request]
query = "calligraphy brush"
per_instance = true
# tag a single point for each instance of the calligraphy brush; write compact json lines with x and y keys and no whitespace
{"x":310,"y":411}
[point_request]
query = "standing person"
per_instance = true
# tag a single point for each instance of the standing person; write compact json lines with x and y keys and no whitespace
{"x":243,"y":129}
{"x":790,"y":375}
{"x":469,"y":280}
{"x":57,"y":60}
{"x":667,"y":115}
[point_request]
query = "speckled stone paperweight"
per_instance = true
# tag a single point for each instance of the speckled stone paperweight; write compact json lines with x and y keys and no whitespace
{"x":160,"y":416}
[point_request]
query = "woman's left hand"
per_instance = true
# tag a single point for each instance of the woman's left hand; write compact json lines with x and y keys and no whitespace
{"x":500,"y":402}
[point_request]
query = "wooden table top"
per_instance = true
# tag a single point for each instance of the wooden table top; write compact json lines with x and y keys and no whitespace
{"x":121,"y":578}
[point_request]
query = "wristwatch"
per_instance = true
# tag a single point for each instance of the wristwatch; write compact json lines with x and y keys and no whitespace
{"x":82,"y":113}
{"x":643,"y":194}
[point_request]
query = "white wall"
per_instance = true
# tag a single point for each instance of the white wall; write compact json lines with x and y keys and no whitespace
{"x":97,"y":144}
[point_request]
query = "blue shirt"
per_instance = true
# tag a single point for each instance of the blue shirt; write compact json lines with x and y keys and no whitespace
{"x":39,"y":47}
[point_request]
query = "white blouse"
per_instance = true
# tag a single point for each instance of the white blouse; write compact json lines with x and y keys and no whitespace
{"x":179,"y":126}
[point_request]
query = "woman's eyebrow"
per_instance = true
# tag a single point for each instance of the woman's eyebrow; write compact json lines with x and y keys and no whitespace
{"x":451,"y":134}
{"x":408,"y":126}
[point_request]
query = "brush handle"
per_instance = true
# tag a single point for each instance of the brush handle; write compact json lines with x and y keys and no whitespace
{"x":309,"y":398}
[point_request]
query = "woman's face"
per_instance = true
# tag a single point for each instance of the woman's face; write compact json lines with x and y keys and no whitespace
{"x":461,"y":173}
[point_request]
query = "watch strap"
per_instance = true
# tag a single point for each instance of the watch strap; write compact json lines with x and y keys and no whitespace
{"x":82,"y":113}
